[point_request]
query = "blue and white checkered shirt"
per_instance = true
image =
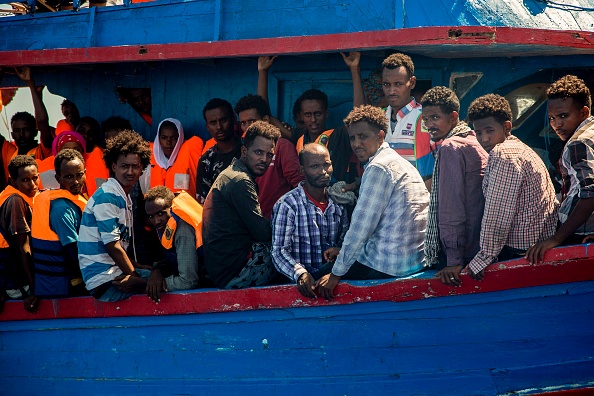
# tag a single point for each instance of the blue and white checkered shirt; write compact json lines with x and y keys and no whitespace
{"x":388,"y":224}
{"x":301,"y":233}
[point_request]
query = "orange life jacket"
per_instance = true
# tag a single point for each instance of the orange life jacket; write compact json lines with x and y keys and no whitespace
{"x":321,"y":139}
{"x":97,"y":172}
{"x":190,"y":211}
{"x":51,"y":275}
{"x":8,"y":192}
{"x":47,"y":174}
{"x":181,"y":176}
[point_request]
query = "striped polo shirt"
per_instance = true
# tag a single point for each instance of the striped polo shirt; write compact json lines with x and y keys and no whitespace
{"x":106,"y":218}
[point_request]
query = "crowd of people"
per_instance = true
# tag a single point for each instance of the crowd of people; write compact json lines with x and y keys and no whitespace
{"x":402,"y":186}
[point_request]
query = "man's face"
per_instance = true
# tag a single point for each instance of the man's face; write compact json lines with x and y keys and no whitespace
{"x":141,"y":100}
{"x":219,"y":123}
{"x":317,"y":169}
{"x":71,"y":176}
{"x":158,"y":213}
{"x":127,"y":170}
{"x":314,"y":116}
{"x":565,"y":116}
{"x":27,"y":181}
{"x":168,"y":136}
{"x":437,"y":122}
{"x":87,"y":132}
{"x":258,"y":156}
{"x":248,"y":117}
{"x":23,"y":134}
{"x":364,"y":140}
{"x":70,"y":113}
{"x":397,"y":86}
{"x":489,"y":132}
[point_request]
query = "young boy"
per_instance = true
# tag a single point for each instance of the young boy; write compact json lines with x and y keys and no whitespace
{"x":107,"y":224}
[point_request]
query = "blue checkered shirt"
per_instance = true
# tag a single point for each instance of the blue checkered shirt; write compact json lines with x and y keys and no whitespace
{"x":301,"y":233}
{"x":388,"y":224}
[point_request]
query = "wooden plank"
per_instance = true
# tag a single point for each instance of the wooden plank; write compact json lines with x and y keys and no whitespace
{"x":438,"y":41}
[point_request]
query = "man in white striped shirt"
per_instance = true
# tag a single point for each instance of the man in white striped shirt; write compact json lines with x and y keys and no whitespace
{"x":107,"y":223}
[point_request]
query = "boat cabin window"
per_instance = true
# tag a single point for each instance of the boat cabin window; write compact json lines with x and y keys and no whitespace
{"x":462,"y":83}
{"x":139,"y":98}
{"x":524,"y":101}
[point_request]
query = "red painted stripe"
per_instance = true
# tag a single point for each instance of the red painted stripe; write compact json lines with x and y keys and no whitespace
{"x":564,"y":265}
{"x":570,"y":392}
{"x":439,"y":41}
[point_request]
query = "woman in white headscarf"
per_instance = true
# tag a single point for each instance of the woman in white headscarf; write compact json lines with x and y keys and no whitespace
{"x":172,"y":161}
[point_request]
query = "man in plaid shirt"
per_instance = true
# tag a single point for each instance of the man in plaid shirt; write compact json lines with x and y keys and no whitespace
{"x":387,"y":229}
{"x":520,"y":202}
{"x":307,"y":225}
{"x":569,"y":115}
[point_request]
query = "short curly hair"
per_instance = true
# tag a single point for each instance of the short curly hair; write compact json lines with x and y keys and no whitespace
{"x":372,"y":115}
{"x":66,"y":155}
{"x":124,"y":143}
{"x":160,"y":192}
{"x":18,"y":162}
{"x":253,"y":102}
{"x":571,"y":87}
{"x":314,"y":94}
{"x":490,"y":105}
{"x":260,"y":128}
{"x":216,"y":103}
{"x":27,"y":117}
{"x":443,"y":97}
{"x":395,"y":61}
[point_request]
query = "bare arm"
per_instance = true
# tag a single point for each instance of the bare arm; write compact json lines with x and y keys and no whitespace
{"x":47,"y":132}
{"x":119,"y":256}
{"x":264,"y":63}
{"x":352,"y":61}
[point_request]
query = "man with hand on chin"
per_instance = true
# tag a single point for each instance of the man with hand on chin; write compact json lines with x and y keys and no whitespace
{"x":308,"y":227}
{"x":387,"y":229}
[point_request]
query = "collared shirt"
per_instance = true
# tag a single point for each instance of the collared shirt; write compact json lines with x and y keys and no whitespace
{"x":410,"y":139}
{"x":387,"y":229}
{"x":577,"y":165}
{"x":107,"y":218}
{"x":520,"y":203}
{"x":301,"y":233}
{"x":462,"y":163}
{"x":232,"y":222}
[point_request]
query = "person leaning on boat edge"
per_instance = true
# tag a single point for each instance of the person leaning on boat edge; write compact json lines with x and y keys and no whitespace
{"x":16,"y":261}
{"x":457,"y":201}
{"x":520,"y":203}
{"x":107,"y":226}
{"x":54,"y":229}
{"x":308,"y":227}
{"x":236,"y":235}
{"x":178,"y":223}
{"x":392,"y":194}
{"x":569,"y":115}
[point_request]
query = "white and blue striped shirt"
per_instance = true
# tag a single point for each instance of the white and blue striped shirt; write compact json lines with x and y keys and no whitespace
{"x":107,"y":218}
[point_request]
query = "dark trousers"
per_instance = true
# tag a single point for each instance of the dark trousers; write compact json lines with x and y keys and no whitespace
{"x":357,"y":271}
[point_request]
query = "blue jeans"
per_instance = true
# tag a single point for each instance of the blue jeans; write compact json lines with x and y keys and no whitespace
{"x":113,"y":293}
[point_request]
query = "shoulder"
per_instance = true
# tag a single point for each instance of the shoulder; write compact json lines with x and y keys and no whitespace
{"x":104,"y":195}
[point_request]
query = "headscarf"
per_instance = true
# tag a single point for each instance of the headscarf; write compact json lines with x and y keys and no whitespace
{"x":161,"y":159}
{"x":66,"y":137}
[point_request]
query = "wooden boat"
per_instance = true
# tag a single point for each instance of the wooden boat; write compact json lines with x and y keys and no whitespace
{"x":524,"y":329}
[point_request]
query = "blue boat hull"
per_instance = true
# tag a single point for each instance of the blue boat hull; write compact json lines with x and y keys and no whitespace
{"x":483,"y":344}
